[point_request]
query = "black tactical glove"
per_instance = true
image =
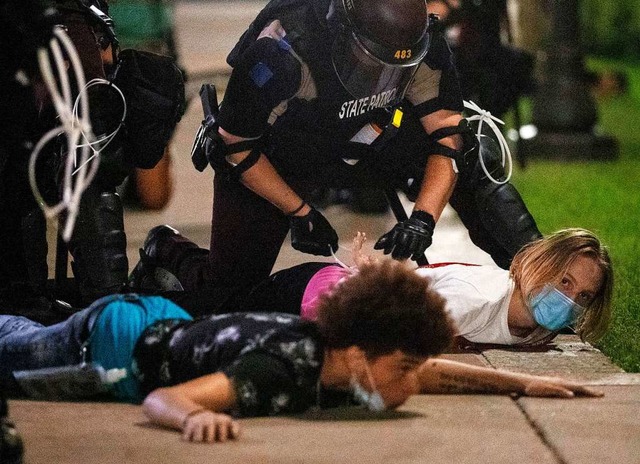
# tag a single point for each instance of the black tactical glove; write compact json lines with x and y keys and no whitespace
{"x":313,"y":234}
{"x":408,"y":238}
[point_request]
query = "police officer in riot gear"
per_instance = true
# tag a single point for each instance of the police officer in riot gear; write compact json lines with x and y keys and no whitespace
{"x":24,"y":27}
{"x":338,"y":93}
{"x":98,"y":242}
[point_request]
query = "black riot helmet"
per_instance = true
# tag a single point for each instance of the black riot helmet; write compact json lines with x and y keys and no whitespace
{"x":379,"y":43}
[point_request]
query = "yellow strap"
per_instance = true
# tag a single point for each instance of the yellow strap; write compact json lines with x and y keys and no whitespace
{"x":397,"y":117}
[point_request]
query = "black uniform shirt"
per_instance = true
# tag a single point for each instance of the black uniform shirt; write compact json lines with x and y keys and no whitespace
{"x":273,"y":359}
{"x":272,"y":84}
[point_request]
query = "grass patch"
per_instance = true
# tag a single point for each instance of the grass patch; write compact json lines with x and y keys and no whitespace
{"x":603,"y":197}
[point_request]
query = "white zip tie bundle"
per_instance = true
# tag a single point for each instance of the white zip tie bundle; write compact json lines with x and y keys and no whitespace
{"x":100,"y":144}
{"x":81,"y":162}
{"x":486,"y":117}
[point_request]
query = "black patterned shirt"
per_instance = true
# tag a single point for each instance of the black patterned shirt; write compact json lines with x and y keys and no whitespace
{"x":272,"y":359}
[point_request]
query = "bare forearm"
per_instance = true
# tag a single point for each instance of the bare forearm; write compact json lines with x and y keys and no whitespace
{"x":445,"y":376}
{"x":172,"y":405}
{"x":437,"y":186}
{"x":439,"y":177}
{"x":163,"y":407}
{"x":263,"y":179}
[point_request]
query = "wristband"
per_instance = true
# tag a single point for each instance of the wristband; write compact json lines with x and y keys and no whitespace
{"x":298,"y":209}
{"x":425,"y":217}
{"x":192,"y":413}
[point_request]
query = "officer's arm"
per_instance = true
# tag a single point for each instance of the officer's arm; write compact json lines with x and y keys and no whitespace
{"x":263,"y":179}
{"x":264,"y":76}
{"x":439,"y":177}
{"x":435,"y":94}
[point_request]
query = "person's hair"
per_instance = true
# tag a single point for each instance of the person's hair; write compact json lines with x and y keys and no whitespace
{"x":382,"y":308}
{"x":547,"y":260}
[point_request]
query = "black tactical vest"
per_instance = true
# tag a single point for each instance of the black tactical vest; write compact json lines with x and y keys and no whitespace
{"x":334,"y":114}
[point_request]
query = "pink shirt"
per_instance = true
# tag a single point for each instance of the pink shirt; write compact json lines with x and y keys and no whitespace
{"x":322,"y":282}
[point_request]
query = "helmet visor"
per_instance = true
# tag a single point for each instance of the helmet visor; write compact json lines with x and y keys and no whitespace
{"x":363,"y":74}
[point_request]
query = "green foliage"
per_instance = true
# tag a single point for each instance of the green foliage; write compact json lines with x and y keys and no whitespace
{"x":611,"y":27}
{"x":141,"y":21}
{"x":603,"y":197}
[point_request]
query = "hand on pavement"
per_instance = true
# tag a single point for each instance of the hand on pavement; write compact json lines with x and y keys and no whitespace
{"x":210,"y":427}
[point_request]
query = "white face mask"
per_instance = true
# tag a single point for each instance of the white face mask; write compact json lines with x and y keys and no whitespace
{"x":372,"y":400}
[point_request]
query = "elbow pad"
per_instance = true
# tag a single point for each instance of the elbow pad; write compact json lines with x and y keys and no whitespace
{"x":208,"y":146}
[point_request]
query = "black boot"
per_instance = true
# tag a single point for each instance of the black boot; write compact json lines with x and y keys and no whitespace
{"x":149,"y":275}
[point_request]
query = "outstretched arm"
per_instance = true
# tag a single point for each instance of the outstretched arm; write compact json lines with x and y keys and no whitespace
{"x":194,"y":408}
{"x":446,"y":376}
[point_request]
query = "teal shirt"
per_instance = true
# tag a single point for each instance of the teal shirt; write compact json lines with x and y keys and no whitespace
{"x":117,"y":329}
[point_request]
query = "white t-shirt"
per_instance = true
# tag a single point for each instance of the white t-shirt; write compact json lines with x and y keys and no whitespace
{"x":477,"y":298}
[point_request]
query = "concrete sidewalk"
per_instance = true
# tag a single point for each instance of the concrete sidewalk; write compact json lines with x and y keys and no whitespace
{"x":428,"y":429}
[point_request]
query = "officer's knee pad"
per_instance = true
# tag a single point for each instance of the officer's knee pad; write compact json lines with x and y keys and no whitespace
{"x":483,"y":161}
{"x":505,"y":216}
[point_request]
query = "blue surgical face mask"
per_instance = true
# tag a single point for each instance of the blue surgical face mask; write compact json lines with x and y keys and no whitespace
{"x":554,"y":310}
{"x":372,"y":400}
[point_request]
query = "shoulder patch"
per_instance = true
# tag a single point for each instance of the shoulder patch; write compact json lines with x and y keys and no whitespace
{"x":260,"y":74}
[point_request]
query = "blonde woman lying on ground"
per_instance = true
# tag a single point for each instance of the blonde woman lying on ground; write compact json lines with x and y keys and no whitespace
{"x":564,"y":279}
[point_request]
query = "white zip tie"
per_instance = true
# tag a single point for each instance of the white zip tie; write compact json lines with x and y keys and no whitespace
{"x":75,"y":123}
{"x":486,"y":117}
{"x":337,"y":260}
